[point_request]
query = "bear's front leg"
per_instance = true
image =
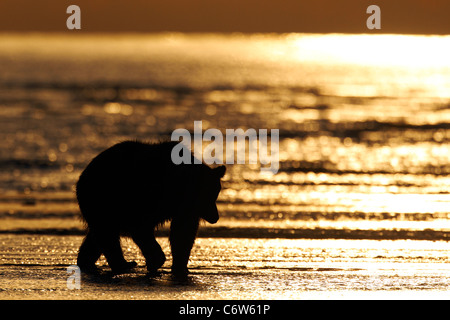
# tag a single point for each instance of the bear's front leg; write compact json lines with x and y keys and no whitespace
{"x":150,"y":248}
{"x":183,"y":231}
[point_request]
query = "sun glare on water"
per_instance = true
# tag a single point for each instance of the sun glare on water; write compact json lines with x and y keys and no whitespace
{"x":376,"y":50}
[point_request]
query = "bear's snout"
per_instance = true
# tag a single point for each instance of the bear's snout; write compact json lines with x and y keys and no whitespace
{"x":211,"y":214}
{"x":213,"y":220}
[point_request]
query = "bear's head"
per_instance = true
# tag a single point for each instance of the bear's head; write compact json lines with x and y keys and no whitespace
{"x":209,"y":191}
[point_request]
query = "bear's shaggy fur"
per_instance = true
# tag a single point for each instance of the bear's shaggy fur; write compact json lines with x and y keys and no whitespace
{"x":133,"y":187}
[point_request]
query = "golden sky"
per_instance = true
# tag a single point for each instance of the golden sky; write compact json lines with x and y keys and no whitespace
{"x":323,"y":16}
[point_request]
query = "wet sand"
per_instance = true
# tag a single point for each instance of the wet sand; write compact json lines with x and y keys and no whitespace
{"x":35,"y":267}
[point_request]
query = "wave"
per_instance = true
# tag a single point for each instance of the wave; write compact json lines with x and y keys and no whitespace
{"x":89,"y":88}
{"x":30,"y":164}
{"x":268,"y":214}
{"x":325,"y":166}
{"x":270,"y":233}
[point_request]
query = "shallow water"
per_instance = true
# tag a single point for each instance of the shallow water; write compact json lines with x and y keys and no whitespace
{"x":236,"y":269}
{"x":363,"y":143}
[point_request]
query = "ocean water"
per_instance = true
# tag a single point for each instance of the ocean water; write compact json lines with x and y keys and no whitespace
{"x":363,"y":120}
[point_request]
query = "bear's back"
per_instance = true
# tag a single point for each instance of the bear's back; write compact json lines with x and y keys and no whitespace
{"x":127,"y":159}
{"x":133,"y":176}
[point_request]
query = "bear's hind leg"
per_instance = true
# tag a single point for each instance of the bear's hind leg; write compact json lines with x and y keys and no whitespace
{"x":150,"y":248}
{"x":109,"y":243}
{"x":88,"y":254}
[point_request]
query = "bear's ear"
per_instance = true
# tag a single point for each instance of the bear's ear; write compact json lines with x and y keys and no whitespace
{"x":219,"y":172}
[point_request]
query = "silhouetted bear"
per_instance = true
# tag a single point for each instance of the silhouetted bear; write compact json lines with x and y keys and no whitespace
{"x":132,"y":188}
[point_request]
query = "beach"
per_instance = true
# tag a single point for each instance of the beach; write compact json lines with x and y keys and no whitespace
{"x":234,"y":269}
